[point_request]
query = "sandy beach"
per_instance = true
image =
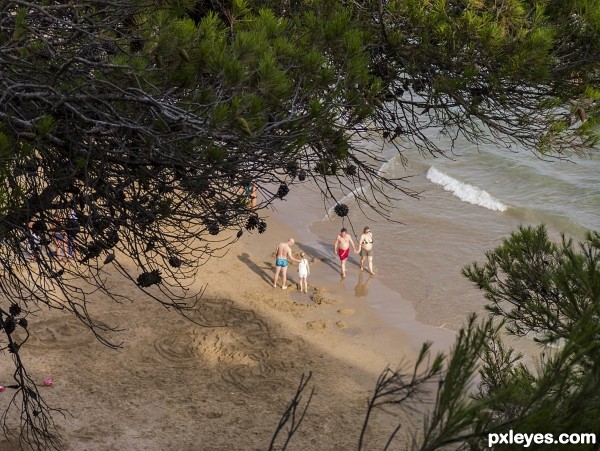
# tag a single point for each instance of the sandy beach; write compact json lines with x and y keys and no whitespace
{"x":223,"y":381}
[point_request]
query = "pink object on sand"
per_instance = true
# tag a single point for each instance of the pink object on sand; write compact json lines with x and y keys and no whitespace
{"x":2,"y":388}
{"x":48,"y":382}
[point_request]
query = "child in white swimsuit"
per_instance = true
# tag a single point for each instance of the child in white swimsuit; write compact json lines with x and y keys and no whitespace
{"x":303,"y":272}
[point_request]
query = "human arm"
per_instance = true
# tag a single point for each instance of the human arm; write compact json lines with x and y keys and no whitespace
{"x":291,"y":256}
{"x":360,"y":243}
{"x":354,"y":246}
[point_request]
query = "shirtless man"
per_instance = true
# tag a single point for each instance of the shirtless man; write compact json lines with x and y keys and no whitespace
{"x":283,"y":253}
{"x":341,"y":247}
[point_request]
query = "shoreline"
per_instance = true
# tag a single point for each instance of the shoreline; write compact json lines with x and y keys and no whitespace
{"x":390,"y":308}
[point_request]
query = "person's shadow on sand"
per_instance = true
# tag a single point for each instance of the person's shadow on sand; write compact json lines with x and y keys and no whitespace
{"x":320,"y":254}
{"x":362,"y":287}
{"x":261,"y":271}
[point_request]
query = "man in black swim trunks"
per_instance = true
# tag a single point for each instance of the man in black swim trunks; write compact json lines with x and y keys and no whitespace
{"x":283,"y":253}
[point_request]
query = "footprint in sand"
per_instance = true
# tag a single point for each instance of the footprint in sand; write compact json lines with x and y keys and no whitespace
{"x":346,"y":311}
{"x":64,"y":335}
{"x":341,"y":325}
{"x":317,"y":324}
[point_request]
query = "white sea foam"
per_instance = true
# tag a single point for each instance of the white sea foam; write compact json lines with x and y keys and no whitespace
{"x":344,"y":200}
{"x":390,"y":166}
{"x":464,"y":191}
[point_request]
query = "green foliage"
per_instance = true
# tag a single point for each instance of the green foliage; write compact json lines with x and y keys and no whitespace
{"x":537,"y":286}
{"x":534,"y":286}
{"x":45,"y":125}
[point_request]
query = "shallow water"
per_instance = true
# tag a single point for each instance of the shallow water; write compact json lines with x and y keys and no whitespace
{"x":468,"y":205}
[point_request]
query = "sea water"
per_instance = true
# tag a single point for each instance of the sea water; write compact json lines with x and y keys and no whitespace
{"x":469,"y":202}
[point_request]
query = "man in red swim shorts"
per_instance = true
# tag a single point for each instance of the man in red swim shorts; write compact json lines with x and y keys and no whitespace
{"x":341,"y":247}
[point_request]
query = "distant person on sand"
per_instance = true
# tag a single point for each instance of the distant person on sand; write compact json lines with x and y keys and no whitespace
{"x":73,"y":227}
{"x":366,"y":249}
{"x":251,"y":194}
{"x":303,"y":272}
{"x":283,"y":253}
{"x":341,"y":247}
{"x":59,"y":236}
{"x":33,"y":241}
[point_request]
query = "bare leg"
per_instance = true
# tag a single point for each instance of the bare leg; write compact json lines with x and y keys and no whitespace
{"x":284,"y":281}
{"x":343,"y":268}
{"x":371,"y":265}
{"x":362,"y":261}
{"x":277,"y":276}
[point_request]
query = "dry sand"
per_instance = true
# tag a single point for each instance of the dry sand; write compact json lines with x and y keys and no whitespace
{"x":222,"y":385}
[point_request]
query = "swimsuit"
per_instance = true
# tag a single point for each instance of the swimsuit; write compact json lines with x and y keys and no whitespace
{"x":303,"y":268}
{"x":364,"y":252}
{"x":281,"y":262}
{"x":343,"y":253}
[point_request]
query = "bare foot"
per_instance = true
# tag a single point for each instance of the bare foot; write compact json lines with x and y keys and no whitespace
{"x":274,"y":285}
{"x":284,"y":288}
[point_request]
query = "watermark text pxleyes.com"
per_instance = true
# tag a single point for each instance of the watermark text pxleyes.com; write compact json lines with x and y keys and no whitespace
{"x":516,"y":438}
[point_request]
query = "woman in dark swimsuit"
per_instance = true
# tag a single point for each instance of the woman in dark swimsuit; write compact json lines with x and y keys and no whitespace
{"x":366,"y":249}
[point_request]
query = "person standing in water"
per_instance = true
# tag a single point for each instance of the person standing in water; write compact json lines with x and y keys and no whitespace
{"x":366,"y":249}
{"x":341,"y":247}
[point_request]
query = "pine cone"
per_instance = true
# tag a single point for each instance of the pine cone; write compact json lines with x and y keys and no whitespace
{"x":262,"y":227}
{"x":147,"y":279}
{"x":282,"y":191}
{"x":252,"y":222}
{"x":341,"y":210}
{"x":14,"y":309}
{"x":350,"y":170}
{"x":174,"y":262}
{"x":213,"y":227}
{"x":9,"y":325}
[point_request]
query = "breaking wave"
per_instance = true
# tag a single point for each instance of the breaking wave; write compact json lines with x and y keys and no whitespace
{"x":464,"y":191}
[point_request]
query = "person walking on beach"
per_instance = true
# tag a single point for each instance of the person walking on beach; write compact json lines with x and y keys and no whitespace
{"x":250,"y":192}
{"x":366,"y":249}
{"x":303,"y":272}
{"x":72,"y":228}
{"x":283,"y":253}
{"x":341,"y":247}
{"x":59,"y":236}
{"x":33,"y":242}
